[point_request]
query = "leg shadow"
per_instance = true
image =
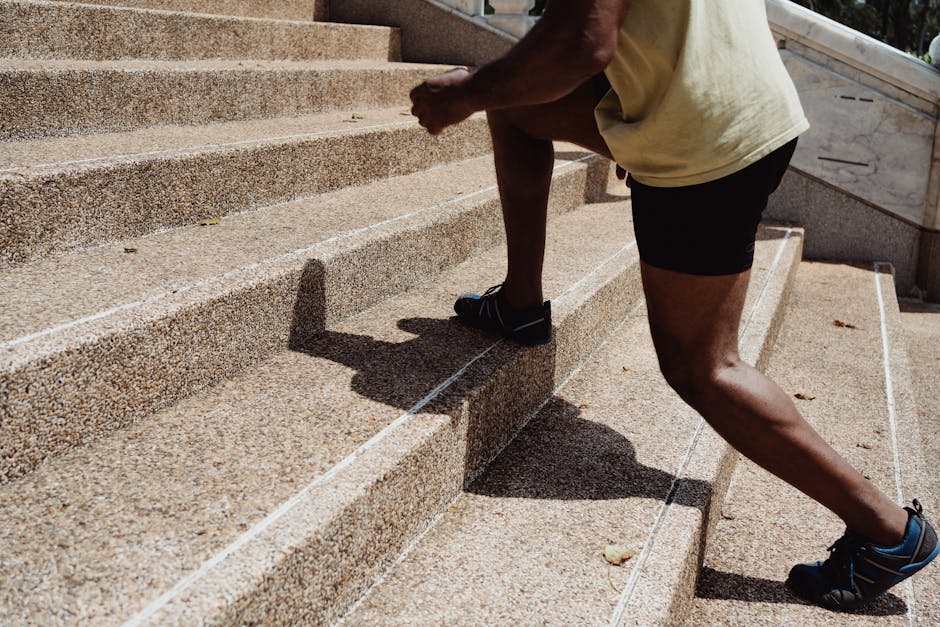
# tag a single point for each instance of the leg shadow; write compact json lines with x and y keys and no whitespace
{"x":716,"y":584}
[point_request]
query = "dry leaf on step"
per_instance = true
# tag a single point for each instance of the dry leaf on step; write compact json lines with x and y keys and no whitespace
{"x":804,"y":397}
{"x":358,"y":116}
{"x":617,"y":554}
{"x":130,"y":250}
{"x":210,"y":221}
{"x":864,"y":445}
{"x":844,"y":325}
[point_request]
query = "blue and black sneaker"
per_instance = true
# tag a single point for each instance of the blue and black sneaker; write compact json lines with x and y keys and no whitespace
{"x":858,"y":571}
{"x":492,"y":312}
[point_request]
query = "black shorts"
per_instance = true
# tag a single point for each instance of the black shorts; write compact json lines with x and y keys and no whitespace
{"x":707,"y":229}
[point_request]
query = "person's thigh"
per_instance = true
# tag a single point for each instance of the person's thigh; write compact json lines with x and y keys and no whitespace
{"x":693,"y":318}
{"x":570,"y":119}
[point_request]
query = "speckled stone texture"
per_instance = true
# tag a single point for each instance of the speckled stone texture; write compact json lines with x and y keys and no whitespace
{"x":98,"y":339}
{"x":196,"y":477}
{"x":55,"y":30}
{"x":765,"y":526}
{"x":928,"y":269}
{"x":61,"y":97}
{"x":524,"y":544}
{"x":921,"y":326}
{"x":276,"y":9}
{"x":844,"y":228}
{"x":467,"y":42}
{"x":57,"y":195}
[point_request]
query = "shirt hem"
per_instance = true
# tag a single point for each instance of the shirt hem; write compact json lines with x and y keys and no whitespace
{"x":729,"y":168}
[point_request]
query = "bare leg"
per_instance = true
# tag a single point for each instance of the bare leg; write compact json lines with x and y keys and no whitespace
{"x":694,"y":322}
{"x":522,"y":147}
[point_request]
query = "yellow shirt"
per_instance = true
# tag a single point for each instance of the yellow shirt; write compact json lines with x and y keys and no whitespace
{"x":699,"y":91}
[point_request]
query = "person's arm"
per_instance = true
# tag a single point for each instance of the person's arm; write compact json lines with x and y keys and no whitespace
{"x":574,"y":40}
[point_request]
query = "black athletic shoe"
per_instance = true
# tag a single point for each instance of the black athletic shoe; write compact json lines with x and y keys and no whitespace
{"x":491,"y":311}
{"x":857,"y":571}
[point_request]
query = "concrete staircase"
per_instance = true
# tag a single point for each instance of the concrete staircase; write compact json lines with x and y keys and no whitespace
{"x":231,"y":391}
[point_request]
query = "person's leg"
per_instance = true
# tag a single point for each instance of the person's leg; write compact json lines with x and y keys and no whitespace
{"x":522,"y":147}
{"x":694,"y":323}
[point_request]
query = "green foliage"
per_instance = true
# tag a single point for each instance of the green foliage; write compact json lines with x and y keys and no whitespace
{"x":908,"y":25}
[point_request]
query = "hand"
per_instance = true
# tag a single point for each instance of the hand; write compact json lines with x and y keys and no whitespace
{"x":440,"y":102}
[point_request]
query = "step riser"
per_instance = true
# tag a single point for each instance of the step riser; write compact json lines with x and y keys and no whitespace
{"x":663,"y":593}
{"x":402,"y":482}
{"x":70,"y":208}
{"x":356,"y":283}
{"x":45,"y":103}
{"x":50,"y":30}
{"x":138,"y":360}
{"x":275,"y":9}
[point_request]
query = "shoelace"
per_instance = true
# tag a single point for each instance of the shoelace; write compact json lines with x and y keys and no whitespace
{"x":485,"y":300}
{"x":842,"y":558}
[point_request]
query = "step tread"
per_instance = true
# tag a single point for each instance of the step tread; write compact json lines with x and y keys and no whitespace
{"x":201,"y":16}
{"x":921,"y":324}
{"x":303,"y":10}
{"x":524,"y":544}
{"x":63,"y":66}
{"x":40,"y":156}
{"x":44,"y":295}
{"x":765,"y":526}
{"x":193,"y":477}
{"x":53,"y":292}
{"x":67,"y":97}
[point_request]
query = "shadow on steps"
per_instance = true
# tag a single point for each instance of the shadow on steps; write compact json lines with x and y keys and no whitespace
{"x":562,"y":456}
{"x":559,"y":455}
{"x":716,"y":584}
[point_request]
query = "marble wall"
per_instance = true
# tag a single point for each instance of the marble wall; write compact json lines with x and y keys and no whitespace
{"x":875,"y":147}
{"x":874,"y":139}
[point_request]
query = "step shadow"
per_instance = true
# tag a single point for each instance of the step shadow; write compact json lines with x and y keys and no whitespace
{"x":397,"y":374}
{"x":559,"y":455}
{"x":720,"y":585}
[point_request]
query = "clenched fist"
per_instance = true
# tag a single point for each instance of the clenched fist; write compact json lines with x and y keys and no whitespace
{"x":441,"y":100}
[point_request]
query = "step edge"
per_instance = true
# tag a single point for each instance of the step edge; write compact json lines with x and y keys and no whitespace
{"x":227,"y":358}
{"x":910,"y":465}
{"x":162,"y":166}
{"x":109,"y":8}
{"x":251,"y":274}
{"x":499,"y":350}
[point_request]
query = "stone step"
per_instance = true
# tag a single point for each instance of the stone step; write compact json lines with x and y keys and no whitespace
{"x":52,"y":97}
{"x":614,"y":457}
{"x":67,"y":193}
{"x":921,"y":324}
{"x":94,"y":341}
{"x":55,"y":30}
{"x":273,"y":9}
{"x":280,"y":495}
{"x":859,"y":383}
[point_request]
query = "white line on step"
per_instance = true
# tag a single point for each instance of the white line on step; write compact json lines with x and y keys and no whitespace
{"x":181,"y":586}
{"x":889,"y":383}
{"x":308,"y":251}
{"x":626,"y":594}
{"x":200,"y":149}
{"x":528,"y":418}
{"x":893,"y":420}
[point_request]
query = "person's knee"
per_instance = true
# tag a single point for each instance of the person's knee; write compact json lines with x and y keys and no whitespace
{"x":500,"y":119}
{"x":694,"y":375}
